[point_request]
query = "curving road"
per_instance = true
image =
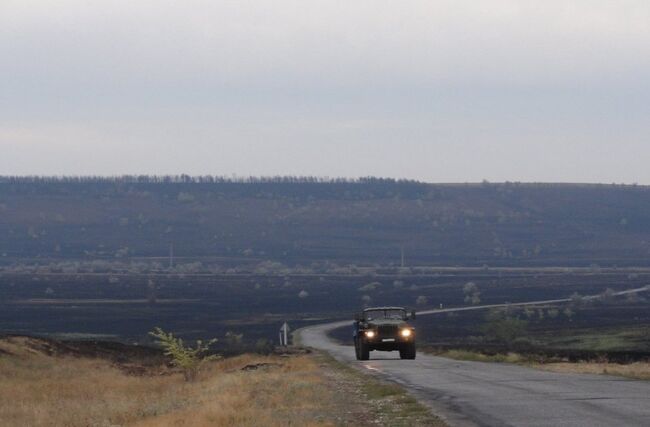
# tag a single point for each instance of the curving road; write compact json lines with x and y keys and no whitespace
{"x":491,"y":394}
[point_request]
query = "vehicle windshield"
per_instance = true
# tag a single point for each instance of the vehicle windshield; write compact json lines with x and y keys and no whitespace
{"x":385,"y":314}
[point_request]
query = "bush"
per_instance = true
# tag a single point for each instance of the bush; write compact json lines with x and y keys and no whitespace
{"x":264,"y":346}
{"x":188,"y":359}
{"x":503,"y":328}
{"x":472,"y":293}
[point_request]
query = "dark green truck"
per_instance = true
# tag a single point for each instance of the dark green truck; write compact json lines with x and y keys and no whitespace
{"x":384,"y":329}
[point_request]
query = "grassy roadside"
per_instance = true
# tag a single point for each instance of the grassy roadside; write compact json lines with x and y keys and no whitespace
{"x":248,"y":390}
{"x":39,"y":387}
{"x":636,"y":370}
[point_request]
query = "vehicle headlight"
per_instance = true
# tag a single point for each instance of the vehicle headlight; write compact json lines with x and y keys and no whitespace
{"x":370,"y":334}
{"x":406,"y":333}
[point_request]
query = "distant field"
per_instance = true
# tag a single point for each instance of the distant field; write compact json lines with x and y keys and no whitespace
{"x":256,"y":305}
{"x":206,"y":256}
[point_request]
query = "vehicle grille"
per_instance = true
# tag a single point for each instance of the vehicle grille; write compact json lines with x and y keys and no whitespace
{"x":387,"y":330}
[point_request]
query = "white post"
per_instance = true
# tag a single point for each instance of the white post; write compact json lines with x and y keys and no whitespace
{"x":285,"y":330}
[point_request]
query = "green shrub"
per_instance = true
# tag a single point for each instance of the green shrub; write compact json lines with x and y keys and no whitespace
{"x":188,"y":359}
{"x":501,"y":327}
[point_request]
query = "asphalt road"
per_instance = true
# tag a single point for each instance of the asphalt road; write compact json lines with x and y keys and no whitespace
{"x":492,"y":394}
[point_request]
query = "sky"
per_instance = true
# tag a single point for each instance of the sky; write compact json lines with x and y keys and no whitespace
{"x":438,"y":91}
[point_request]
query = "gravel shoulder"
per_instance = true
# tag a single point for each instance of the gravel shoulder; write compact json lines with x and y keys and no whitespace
{"x":468,"y":393}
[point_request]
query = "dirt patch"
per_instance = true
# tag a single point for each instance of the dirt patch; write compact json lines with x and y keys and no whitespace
{"x":264,"y":365}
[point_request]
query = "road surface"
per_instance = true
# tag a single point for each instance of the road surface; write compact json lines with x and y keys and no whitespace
{"x":492,"y":394}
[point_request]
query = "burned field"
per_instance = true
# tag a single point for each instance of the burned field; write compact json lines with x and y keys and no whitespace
{"x":209,"y":256}
{"x":609,"y":327}
{"x":127,"y":306}
{"x":616,"y":330}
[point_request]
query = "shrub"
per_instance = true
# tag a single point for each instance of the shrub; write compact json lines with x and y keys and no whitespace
{"x":472,"y":293}
{"x":503,"y":328}
{"x":188,"y":359}
{"x":264,"y":346}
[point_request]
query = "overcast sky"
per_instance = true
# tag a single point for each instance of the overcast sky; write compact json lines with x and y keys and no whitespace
{"x":441,"y":91}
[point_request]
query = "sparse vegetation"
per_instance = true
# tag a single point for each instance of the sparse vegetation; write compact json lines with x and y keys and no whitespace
{"x":503,"y":327}
{"x":476,"y":356}
{"x":301,"y":220}
{"x":188,"y":359}
{"x":41,"y":389}
{"x":472,"y":293}
{"x":635,"y":370}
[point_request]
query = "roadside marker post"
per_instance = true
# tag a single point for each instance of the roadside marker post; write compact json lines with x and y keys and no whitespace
{"x":284,"y":335}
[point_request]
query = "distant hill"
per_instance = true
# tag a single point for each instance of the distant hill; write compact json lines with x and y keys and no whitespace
{"x":306,"y":220}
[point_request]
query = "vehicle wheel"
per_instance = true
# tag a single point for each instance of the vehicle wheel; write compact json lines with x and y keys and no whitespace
{"x":364,"y":351}
{"x":356,"y":349}
{"x":411,"y":354}
{"x":407,"y":352}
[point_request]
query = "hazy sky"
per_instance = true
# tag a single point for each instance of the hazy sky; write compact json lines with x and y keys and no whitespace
{"x":433,"y":90}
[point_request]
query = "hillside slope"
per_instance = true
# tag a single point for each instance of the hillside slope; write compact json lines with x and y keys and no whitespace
{"x":305,"y":221}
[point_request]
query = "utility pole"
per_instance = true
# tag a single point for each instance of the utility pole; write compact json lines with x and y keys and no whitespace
{"x":402,"y":252}
{"x":171,"y":255}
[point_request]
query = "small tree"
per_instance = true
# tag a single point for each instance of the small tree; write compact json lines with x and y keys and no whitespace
{"x":607,"y":296}
{"x":188,"y":359}
{"x":577,"y":300}
{"x":503,"y":328}
{"x":472,"y":293}
{"x":234,"y":342}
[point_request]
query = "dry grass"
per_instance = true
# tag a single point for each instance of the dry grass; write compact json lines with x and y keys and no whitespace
{"x":481,"y":357}
{"x":638,"y":370}
{"x":290,"y":393}
{"x":39,"y":390}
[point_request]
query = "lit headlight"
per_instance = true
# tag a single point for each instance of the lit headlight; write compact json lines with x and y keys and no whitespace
{"x":370,"y":334}
{"x":406,"y":333}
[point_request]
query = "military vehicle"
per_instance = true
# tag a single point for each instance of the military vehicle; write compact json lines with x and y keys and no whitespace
{"x":384,"y":329}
